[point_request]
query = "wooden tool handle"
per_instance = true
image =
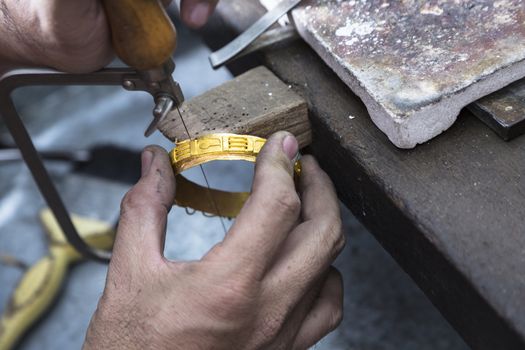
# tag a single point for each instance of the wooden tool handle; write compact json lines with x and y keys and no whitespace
{"x":143,"y":35}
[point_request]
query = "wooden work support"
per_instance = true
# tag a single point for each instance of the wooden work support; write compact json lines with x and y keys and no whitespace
{"x":255,"y":103}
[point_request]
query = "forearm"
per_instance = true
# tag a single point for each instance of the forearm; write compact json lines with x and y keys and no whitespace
{"x":7,"y":51}
{"x":13,"y":39}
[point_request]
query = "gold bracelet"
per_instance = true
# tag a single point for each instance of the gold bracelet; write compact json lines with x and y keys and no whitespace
{"x":207,"y":148}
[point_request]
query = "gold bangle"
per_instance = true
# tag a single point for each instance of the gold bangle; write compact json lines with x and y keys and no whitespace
{"x":207,"y":148}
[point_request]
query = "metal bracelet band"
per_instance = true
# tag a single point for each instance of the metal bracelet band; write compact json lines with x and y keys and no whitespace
{"x":207,"y":148}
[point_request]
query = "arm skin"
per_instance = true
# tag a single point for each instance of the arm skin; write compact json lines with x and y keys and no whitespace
{"x":68,"y":35}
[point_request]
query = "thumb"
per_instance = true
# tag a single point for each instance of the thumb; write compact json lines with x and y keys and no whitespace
{"x":272,"y":209}
{"x":143,"y":216}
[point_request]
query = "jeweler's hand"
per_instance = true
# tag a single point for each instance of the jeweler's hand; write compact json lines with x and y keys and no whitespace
{"x":268,"y":285}
{"x":69,"y":35}
{"x":195,"y":13}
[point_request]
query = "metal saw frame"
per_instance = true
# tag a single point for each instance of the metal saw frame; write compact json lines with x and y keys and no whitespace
{"x":126,"y":77}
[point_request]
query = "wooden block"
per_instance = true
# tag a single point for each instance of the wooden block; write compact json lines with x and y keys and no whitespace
{"x":255,"y":103}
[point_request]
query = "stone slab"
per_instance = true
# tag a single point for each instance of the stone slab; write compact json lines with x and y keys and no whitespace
{"x":416,"y":64}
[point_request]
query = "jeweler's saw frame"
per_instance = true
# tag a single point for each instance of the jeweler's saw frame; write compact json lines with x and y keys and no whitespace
{"x":128,"y":78}
{"x":156,"y":81}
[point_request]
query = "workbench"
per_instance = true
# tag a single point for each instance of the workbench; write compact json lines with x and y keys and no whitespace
{"x":451,"y":211}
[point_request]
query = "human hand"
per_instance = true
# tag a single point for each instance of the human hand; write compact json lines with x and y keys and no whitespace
{"x":71,"y":36}
{"x":267,"y":285}
{"x":195,"y":13}
{"x":67,"y":35}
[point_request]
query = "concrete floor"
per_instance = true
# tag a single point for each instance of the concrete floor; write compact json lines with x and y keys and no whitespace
{"x":383,"y":307}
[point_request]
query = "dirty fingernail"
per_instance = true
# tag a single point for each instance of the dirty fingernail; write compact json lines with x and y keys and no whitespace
{"x":146,"y":159}
{"x":199,"y":14}
{"x":290,"y":146}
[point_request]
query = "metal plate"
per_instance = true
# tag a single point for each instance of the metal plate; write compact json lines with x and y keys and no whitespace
{"x":504,"y":110}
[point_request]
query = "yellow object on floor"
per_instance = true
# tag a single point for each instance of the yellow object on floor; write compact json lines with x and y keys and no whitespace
{"x":41,"y":283}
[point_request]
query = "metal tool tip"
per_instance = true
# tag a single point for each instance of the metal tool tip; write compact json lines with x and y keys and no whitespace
{"x":150,"y":129}
{"x":214,"y":61}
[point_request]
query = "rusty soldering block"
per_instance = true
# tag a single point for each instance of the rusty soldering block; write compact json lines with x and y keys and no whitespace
{"x":416,"y":63}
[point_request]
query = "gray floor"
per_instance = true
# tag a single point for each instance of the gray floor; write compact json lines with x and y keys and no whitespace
{"x":383,"y":307}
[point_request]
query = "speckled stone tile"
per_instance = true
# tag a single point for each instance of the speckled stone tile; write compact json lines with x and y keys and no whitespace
{"x":416,"y":63}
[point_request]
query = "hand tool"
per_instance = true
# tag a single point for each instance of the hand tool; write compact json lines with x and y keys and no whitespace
{"x":239,"y":44}
{"x":144,"y":38}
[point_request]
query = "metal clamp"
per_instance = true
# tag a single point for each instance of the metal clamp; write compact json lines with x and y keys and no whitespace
{"x":159,"y":84}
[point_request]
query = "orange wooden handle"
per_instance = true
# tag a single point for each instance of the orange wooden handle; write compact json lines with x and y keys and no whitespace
{"x":143,"y":35}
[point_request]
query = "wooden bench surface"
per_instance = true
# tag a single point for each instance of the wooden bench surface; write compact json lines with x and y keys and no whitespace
{"x":451,"y":211}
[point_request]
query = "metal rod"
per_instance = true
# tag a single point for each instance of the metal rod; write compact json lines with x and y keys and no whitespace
{"x":225,"y":54}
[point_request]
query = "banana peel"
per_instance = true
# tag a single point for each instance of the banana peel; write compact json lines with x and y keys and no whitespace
{"x":40,"y":285}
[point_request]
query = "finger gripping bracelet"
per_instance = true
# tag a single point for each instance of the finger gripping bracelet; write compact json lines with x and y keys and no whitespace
{"x":190,"y":153}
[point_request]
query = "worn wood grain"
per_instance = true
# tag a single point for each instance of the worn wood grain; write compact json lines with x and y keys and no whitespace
{"x":451,"y":212}
{"x":255,"y":103}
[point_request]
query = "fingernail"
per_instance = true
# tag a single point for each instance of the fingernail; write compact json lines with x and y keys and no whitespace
{"x":290,"y":146}
{"x":146,"y":159}
{"x":199,"y":14}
